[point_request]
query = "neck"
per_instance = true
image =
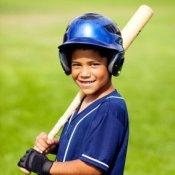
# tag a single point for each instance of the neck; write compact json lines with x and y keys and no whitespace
{"x":105,"y":90}
{"x":93,"y":97}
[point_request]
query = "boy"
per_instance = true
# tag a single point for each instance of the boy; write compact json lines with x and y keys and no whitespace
{"x":94,"y":140}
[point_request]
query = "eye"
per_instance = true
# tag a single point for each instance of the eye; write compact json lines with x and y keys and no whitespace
{"x":95,"y":64}
{"x":75,"y":65}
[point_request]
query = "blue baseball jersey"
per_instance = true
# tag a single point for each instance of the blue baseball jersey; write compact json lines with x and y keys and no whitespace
{"x":98,"y":135}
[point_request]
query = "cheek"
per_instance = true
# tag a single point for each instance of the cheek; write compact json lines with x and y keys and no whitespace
{"x":102,"y":73}
{"x":74,"y":73}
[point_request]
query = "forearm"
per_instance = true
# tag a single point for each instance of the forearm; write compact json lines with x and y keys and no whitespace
{"x":76,"y":167}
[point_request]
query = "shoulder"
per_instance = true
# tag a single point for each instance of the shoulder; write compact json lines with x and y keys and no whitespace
{"x":114,"y":101}
{"x":114,"y":106}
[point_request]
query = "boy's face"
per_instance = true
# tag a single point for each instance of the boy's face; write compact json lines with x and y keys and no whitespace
{"x":90,"y":72}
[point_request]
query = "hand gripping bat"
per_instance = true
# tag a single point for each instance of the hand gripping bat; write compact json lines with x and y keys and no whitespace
{"x":129,"y":33}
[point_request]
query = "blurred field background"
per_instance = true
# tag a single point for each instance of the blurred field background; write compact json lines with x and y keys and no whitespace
{"x":34,"y":91}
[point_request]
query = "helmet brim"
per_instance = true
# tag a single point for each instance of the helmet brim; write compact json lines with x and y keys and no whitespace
{"x":90,"y":42}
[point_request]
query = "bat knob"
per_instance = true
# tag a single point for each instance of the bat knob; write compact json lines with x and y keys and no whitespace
{"x":24,"y":171}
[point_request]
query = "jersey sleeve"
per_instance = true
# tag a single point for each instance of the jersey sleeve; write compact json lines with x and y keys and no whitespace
{"x":105,"y":136}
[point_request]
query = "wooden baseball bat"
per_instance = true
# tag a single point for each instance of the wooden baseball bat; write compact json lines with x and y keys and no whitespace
{"x":129,"y":33}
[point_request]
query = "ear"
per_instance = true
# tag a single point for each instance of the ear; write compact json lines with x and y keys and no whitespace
{"x":116,"y":64}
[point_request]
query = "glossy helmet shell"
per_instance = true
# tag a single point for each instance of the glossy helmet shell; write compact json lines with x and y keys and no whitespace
{"x":93,"y":30}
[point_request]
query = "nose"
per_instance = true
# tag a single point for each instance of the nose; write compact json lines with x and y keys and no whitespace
{"x":85,"y":72}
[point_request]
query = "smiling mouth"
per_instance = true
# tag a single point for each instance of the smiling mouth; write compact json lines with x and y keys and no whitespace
{"x":85,"y":83}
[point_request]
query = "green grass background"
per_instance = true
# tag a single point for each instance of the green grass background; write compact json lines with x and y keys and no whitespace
{"x":34,"y":91}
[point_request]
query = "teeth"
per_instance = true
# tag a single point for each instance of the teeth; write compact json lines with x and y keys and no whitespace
{"x":87,"y":82}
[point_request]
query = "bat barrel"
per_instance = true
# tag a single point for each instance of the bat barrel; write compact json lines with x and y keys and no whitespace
{"x":72,"y":107}
{"x":136,"y":24}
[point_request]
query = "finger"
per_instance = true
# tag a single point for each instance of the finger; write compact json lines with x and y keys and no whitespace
{"x":40,"y":148}
{"x":42,"y":136}
{"x":41,"y":143}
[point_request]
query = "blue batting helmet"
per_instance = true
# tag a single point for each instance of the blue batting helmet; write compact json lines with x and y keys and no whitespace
{"x":93,"y":30}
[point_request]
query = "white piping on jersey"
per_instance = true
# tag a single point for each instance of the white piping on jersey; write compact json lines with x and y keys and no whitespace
{"x":95,"y":160}
{"x":70,"y":121}
{"x":64,"y":159}
{"x":115,"y":97}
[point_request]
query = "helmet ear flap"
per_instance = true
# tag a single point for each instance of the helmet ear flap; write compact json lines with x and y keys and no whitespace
{"x":64,"y":63}
{"x":116,"y":63}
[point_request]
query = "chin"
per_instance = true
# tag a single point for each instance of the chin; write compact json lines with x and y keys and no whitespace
{"x":88,"y":91}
